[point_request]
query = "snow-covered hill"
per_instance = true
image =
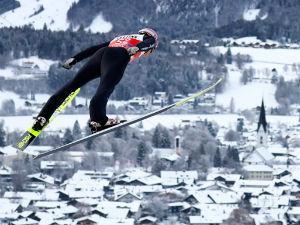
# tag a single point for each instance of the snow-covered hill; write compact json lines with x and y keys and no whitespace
{"x":37,"y":13}
{"x":264,"y":61}
{"x":40,"y":12}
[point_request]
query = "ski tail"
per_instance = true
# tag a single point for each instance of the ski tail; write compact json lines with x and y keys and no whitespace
{"x":28,"y":137}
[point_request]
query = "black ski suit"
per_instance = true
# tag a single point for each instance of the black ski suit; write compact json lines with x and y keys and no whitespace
{"x":108,"y":63}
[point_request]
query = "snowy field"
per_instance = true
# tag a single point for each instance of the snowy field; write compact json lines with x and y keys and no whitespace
{"x":264,"y":60}
{"x":40,"y":12}
{"x":64,"y":121}
{"x":267,"y":58}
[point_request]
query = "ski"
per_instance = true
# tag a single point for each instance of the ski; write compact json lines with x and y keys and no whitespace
{"x":113,"y":128}
{"x":29,"y":135}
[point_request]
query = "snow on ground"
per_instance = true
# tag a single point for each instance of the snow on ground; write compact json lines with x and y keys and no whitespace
{"x":246,"y":96}
{"x":270,"y":58}
{"x":53,"y":15}
{"x":7,"y":73}
{"x":99,"y":24}
{"x":264,"y":60}
{"x":251,"y":14}
{"x":40,"y":12}
{"x":64,"y":121}
{"x":8,"y":95}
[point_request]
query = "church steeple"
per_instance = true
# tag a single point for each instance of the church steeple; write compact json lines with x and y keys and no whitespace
{"x":262,"y":118}
{"x":262,"y":127}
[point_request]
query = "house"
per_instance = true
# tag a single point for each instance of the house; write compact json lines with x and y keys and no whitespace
{"x":147,"y":220}
{"x":119,"y":210}
{"x":96,"y":219}
{"x":294,"y":214}
{"x":41,"y":178}
{"x":259,"y":172}
{"x":213,"y":197}
{"x":227,"y":179}
{"x":212,"y":214}
{"x":128,"y":197}
{"x":139,"y":191}
{"x":52,"y":165}
{"x":214,"y":185}
{"x":177,"y":207}
{"x":138,"y":103}
{"x":5,"y":174}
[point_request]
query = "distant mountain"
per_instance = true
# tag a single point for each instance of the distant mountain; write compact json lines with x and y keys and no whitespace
{"x":174,"y":19}
{"x":181,"y":19}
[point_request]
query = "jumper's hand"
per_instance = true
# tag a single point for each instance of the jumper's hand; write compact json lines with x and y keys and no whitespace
{"x":69,"y":63}
{"x":132,"y":50}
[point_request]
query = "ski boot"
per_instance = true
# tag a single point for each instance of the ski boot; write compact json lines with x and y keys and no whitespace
{"x":96,"y":127}
{"x":39,"y":123}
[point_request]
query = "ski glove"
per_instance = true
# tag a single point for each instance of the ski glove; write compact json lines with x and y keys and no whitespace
{"x":69,"y":63}
{"x":132,"y":50}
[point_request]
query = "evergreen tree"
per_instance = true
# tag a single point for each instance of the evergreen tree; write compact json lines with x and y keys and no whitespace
{"x":221,"y":59}
{"x":228,"y":56}
{"x":161,"y":137}
{"x":142,"y":151}
{"x":156,"y":137}
{"x":244,"y":78}
{"x":77,"y":133}
{"x":68,"y":137}
{"x":233,"y":154}
{"x":201,"y":149}
{"x":165,"y":139}
{"x":217,"y":158}
{"x":240,"y":126}
{"x":2,"y":134}
{"x":211,"y":130}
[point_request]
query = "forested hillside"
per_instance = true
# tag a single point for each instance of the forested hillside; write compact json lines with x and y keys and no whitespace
{"x":186,"y":19}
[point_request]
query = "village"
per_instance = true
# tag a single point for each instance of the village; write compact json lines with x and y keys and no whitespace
{"x":268,"y":186}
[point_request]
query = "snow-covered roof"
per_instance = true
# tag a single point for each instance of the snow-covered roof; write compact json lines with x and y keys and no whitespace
{"x":42,"y":177}
{"x":47,"y":165}
{"x":25,"y":221}
{"x":5,"y":171}
{"x":104,"y":221}
{"x":148,"y":218}
{"x":170,"y":178}
{"x":9,"y":150}
{"x":150,"y":180}
{"x":227,"y":177}
{"x":37,"y":149}
{"x":205,"y":219}
{"x":259,"y":155}
{"x":7,"y":207}
{"x":215,"y":185}
{"x":48,"y":194}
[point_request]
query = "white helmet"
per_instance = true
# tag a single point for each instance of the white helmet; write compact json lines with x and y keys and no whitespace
{"x":151,"y":33}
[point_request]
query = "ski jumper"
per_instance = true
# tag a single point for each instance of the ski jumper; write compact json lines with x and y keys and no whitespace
{"x":108,"y":61}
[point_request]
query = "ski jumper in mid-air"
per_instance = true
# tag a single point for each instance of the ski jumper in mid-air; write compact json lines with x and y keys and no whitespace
{"x":108,"y":61}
